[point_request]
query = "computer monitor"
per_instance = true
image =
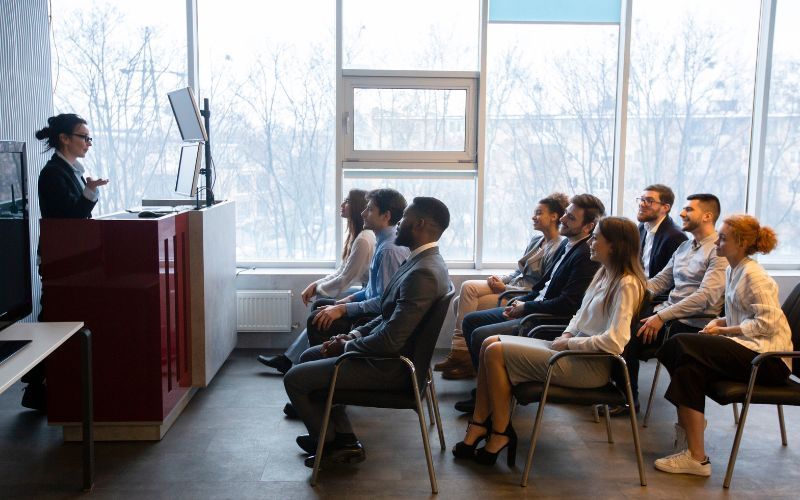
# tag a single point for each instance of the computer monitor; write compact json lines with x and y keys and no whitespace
{"x":187,"y":115}
{"x":189,"y":170}
{"x":16,"y":299}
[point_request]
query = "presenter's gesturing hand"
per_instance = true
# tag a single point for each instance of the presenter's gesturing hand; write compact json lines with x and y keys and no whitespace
{"x":95,"y":183}
{"x":327,"y":315}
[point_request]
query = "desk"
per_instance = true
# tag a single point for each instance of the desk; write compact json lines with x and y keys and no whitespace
{"x":46,"y":338}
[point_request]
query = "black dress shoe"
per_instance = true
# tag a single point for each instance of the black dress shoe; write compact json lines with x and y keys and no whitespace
{"x":290,"y":412}
{"x":468,"y":405}
{"x":336,"y":454}
{"x":309,"y":444}
{"x":279,"y":362}
{"x":35,"y":397}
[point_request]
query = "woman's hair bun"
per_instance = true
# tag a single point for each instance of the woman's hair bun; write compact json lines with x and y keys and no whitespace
{"x":43,"y":134}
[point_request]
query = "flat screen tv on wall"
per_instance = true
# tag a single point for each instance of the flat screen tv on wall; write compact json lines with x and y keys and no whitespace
{"x":16,"y":300}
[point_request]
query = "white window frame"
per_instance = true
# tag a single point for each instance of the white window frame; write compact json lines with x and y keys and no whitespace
{"x":425,"y":80}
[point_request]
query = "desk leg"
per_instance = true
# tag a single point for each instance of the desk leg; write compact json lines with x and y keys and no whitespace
{"x":88,"y":410}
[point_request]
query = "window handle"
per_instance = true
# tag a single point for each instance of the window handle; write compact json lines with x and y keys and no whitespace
{"x":346,"y":122}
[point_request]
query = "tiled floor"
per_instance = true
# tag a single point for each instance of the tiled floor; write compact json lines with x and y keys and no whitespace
{"x":233,"y":442}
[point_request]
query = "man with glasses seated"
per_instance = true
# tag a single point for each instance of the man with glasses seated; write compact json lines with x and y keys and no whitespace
{"x":696,"y":276}
{"x":659,"y":235}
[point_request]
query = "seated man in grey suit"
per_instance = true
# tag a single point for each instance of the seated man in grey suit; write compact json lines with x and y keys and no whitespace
{"x":415,"y":287}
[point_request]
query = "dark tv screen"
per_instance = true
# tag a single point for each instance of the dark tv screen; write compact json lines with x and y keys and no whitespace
{"x":16,"y":300}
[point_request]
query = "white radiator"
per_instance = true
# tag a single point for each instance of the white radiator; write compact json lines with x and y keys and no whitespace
{"x":264,"y":311}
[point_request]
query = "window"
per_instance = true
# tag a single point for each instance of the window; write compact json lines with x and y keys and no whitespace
{"x":402,"y":118}
{"x":113,"y":64}
{"x":272,"y":90}
{"x":780,"y":206}
{"x":549,"y":123}
{"x":690,"y":99}
{"x":456,"y":191}
{"x":411,"y":35}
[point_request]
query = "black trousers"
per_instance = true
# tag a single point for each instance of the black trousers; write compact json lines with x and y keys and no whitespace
{"x":636,"y":350}
{"x":696,"y":361}
{"x":341,"y":325}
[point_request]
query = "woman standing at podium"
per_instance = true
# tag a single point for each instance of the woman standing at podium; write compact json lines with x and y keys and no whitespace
{"x":64,"y":193}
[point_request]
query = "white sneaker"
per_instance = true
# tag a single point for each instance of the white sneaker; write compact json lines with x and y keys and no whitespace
{"x":679,"y":442}
{"x":684,"y":463}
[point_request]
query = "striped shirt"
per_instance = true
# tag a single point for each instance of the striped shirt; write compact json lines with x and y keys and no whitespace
{"x":751,"y":302}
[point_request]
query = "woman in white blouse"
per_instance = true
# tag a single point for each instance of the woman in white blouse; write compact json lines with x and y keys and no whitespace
{"x":356,"y":256}
{"x":602,"y":323}
{"x":754,"y":323}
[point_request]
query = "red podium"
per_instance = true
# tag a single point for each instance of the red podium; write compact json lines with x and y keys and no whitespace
{"x":127,"y":279}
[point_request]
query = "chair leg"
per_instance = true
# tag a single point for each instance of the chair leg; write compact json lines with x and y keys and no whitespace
{"x":431,"y":417}
{"x":740,"y":429}
{"x":424,"y":430}
{"x":596,"y":414}
{"x":325,"y":423}
{"x":652,"y":394}
{"x":634,"y":427}
{"x":735,"y":413}
{"x":784,"y":442}
{"x":536,"y":428}
{"x":608,"y":423}
{"x":436,"y":414}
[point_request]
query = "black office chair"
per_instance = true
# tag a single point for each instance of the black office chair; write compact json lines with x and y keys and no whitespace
{"x":616,"y":392}
{"x":726,"y":392}
{"x":420,"y":374}
{"x":510,"y":294}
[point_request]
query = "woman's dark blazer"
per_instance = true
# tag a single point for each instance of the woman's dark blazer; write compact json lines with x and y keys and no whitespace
{"x":61,"y":193}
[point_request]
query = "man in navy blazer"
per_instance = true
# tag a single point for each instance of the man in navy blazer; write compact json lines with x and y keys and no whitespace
{"x":416,"y":286}
{"x":658,"y":233}
{"x":561,"y":289}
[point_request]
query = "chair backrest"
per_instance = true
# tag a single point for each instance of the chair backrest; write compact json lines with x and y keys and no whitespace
{"x":791,"y":308}
{"x":427,"y":333}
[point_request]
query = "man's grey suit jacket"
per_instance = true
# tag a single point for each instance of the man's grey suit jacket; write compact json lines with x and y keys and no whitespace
{"x":412,"y":291}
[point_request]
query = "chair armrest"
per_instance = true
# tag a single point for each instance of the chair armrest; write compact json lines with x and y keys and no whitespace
{"x":363,"y":355}
{"x":587,"y":354}
{"x":545,"y":329}
{"x":775,"y":354}
{"x":508,"y":294}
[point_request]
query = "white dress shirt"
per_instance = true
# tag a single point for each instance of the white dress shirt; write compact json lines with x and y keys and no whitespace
{"x":649,"y":235}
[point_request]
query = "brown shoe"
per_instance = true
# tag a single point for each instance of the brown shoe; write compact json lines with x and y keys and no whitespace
{"x":460,"y":367}
{"x":454,"y":359}
{"x":444,"y":364}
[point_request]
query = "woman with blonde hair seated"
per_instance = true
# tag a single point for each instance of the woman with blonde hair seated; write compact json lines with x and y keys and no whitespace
{"x":602,"y":323}
{"x":753,"y":323}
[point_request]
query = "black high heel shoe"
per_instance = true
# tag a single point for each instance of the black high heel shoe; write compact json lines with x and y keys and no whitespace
{"x":463,"y":450}
{"x":484,"y":457}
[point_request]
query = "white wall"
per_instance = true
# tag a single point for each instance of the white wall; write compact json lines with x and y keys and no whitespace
{"x":296,"y":280}
{"x":26,"y":99}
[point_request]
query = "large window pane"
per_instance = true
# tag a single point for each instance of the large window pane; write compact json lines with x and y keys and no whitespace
{"x":272,"y":89}
{"x":457,"y":194}
{"x":780,"y":204}
{"x":691,"y":98}
{"x":549,"y":126}
{"x":113,"y":64}
{"x":413,"y":34}
{"x":409,"y":119}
